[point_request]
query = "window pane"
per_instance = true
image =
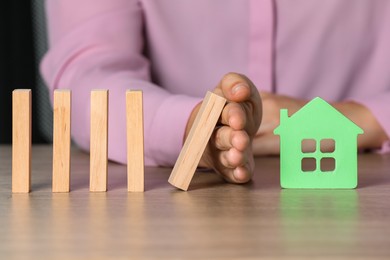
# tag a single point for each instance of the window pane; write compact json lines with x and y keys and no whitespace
{"x":308,"y":164}
{"x":327,"y":145}
{"x":328,"y":164}
{"x":308,"y":146}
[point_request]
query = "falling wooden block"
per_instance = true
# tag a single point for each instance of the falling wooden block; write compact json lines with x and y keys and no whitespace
{"x":197,"y":140}
{"x":61,"y":140}
{"x":99,"y":140}
{"x":21,"y":140}
{"x":135,"y":141}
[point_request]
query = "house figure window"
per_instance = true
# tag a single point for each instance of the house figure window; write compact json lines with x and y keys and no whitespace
{"x":318,"y":148}
{"x":318,"y":156}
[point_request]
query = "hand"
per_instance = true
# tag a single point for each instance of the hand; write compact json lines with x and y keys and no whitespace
{"x":374,"y":134}
{"x":265,"y":142}
{"x":229,"y":151}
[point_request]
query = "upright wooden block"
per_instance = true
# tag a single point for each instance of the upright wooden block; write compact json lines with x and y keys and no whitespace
{"x":99,"y":140}
{"x":21,"y":141}
{"x":135,"y":141}
{"x":61,"y":140}
{"x":197,"y":140}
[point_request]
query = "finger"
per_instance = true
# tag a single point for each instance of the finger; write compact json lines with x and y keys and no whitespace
{"x":236,"y":166}
{"x":232,"y":158}
{"x":226,"y":138}
{"x":234,"y":116}
{"x":223,"y":138}
{"x":235,"y":87}
{"x":238,"y":88}
{"x":240,"y":140}
{"x":241,"y":174}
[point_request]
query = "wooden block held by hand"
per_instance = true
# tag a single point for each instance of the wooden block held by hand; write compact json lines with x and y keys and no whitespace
{"x":21,"y":141}
{"x":197,"y":140}
{"x":99,"y":141}
{"x":135,"y":141}
{"x":61,"y":140}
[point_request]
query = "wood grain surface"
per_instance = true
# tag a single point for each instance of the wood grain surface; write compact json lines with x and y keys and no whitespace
{"x":213,"y":220}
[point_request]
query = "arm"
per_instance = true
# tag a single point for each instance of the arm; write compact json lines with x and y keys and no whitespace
{"x":370,"y":115}
{"x":99,"y":44}
{"x":374,"y":134}
{"x":375,"y":112}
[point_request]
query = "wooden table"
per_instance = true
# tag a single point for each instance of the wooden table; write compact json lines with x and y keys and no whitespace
{"x":213,"y":220}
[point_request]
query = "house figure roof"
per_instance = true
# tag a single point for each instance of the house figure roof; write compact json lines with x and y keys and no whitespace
{"x":317,"y":114}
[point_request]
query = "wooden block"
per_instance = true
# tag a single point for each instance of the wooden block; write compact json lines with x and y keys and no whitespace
{"x":21,"y":140}
{"x":99,"y":140}
{"x":135,"y":141}
{"x":61,"y":140}
{"x":197,"y":140}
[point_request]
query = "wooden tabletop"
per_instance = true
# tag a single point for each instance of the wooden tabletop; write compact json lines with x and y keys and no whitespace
{"x":213,"y":220}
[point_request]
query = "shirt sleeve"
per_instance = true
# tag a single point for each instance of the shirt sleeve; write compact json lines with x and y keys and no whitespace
{"x":98,"y":45}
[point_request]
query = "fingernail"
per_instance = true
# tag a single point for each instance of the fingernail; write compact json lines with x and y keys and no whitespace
{"x":238,"y":87}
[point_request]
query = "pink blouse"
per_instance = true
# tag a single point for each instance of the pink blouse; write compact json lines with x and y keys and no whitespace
{"x":176,"y":50}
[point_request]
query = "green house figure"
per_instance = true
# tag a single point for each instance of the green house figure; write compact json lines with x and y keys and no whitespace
{"x":318,"y":148}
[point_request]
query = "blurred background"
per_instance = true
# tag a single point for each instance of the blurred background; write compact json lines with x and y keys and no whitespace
{"x":22,"y":45}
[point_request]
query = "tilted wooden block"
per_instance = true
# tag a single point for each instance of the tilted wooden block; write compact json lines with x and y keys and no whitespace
{"x":135,"y":141}
{"x":99,"y":140}
{"x":21,"y":140}
{"x":197,"y":140}
{"x":61,"y":140}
